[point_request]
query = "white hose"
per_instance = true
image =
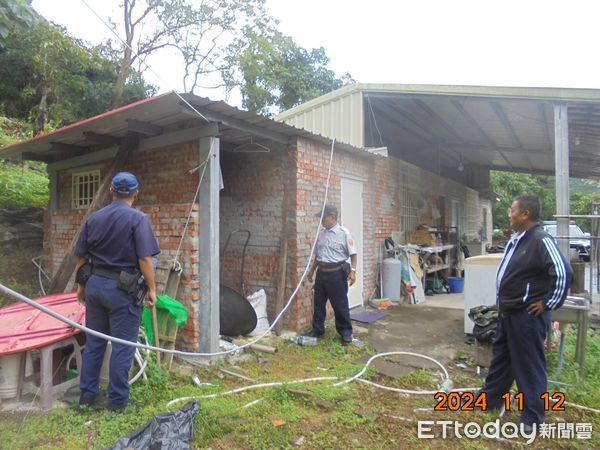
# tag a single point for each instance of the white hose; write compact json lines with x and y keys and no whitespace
{"x":142,"y":363}
{"x":586,"y":408}
{"x":379,"y":355}
{"x":254,"y":386}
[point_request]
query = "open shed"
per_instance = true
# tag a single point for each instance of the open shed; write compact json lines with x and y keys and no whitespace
{"x":462,"y":132}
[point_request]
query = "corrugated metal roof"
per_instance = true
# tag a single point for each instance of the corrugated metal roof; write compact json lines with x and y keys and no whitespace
{"x":164,"y":110}
{"x":499,"y":128}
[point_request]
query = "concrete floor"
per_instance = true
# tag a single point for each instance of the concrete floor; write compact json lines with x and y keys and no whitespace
{"x":433,"y":328}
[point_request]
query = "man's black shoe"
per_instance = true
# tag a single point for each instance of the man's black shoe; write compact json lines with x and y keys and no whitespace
{"x":87,"y":401}
{"x":93,"y":404}
{"x":346,"y":340}
{"x":116,"y":408}
{"x":316,"y":335}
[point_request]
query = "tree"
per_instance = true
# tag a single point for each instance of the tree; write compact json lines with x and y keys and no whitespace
{"x":15,"y":13}
{"x":272,"y":71}
{"x":48,"y":77}
{"x":509,"y":185}
{"x":162,"y":18}
{"x":197,"y":32}
{"x":203,"y":48}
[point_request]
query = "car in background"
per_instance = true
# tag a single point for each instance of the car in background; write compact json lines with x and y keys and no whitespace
{"x":578,"y":239}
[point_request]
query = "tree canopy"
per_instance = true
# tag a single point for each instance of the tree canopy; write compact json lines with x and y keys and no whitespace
{"x":508,"y":185}
{"x":15,"y":13}
{"x":49,"y":78}
{"x":273,"y":72}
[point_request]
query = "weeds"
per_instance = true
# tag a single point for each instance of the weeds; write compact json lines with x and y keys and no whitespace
{"x":313,"y":415}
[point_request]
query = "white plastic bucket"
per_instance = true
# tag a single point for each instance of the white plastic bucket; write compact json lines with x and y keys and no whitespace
{"x":9,"y":375}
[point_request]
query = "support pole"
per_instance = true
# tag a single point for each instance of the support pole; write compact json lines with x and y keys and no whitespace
{"x":561,"y":168}
{"x":208,"y":312}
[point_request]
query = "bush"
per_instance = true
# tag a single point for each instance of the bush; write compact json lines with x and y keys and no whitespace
{"x":23,"y":185}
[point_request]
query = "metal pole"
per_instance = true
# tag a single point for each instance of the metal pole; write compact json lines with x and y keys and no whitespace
{"x":561,"y":169}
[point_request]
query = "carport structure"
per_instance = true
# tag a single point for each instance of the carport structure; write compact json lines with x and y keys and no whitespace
{"x":463,"y":132}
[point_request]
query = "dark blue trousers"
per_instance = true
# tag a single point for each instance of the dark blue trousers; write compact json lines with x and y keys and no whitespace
{"x":518,"y":355}
{"x":332,"y":286}
{"x":111,"y":311}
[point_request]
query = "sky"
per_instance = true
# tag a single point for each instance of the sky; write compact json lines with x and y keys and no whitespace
{"x":465,"y":42}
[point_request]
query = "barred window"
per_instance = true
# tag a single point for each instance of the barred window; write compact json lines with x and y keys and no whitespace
{"x":85,"y":186}
{"x":409,"y":193}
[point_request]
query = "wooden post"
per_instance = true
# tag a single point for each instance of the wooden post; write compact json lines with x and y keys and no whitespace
{"x":155,"y":331}
{"x":67,"y":266}
{"x":281,"y":284}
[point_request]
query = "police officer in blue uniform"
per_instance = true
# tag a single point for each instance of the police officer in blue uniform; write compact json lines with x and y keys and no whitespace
{"x":334,"y":247}
{"x":116,"y":238}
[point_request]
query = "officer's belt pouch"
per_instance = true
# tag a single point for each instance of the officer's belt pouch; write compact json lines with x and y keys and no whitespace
{"x":83,"y":273}
{"x":346,"y":269}
{"x":128,"y":281}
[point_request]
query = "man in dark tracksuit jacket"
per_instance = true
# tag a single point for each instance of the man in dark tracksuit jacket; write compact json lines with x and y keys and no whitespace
{"x":533,"y":279}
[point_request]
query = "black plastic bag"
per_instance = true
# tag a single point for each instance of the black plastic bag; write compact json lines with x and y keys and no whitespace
{"x":169,"y":431}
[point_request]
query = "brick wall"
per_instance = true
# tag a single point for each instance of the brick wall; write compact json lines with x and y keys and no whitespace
{"x":256,"y":188}
{"x":166,"y":193}
{"x":312,"y":166}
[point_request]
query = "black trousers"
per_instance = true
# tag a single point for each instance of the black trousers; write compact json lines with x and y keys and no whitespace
{"x":332,"y":286}
{"x":518,"y":355}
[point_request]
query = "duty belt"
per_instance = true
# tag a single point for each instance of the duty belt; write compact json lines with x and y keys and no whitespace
{"x":106,"y":273}
{"x":330,"y":267}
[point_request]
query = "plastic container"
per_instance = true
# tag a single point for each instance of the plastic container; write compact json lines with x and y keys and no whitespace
{"x":480,"y":284}
{"x":457,"y":285}
{"x":306,"y":340}
{"x":9,"y":375}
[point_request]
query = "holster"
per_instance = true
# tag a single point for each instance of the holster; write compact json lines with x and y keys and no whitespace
{"x":83,"y":273}
{"x":134,"y":284}
{"x":346,"y":269}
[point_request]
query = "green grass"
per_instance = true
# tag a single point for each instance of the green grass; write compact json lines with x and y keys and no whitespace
{"x":317,"y":415}
{"x":23,"y":185}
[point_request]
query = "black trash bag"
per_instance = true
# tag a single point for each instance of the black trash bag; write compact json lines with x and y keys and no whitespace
{"x":169,"y":431}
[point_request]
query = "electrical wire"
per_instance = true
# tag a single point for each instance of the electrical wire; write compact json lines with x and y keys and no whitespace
{"x":142,"y":61}
{"x":176,"y":264}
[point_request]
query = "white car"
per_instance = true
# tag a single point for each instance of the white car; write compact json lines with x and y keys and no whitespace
{"x":577,"y":238}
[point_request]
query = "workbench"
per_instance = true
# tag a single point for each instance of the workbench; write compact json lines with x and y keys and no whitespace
{"x":435,"y":258}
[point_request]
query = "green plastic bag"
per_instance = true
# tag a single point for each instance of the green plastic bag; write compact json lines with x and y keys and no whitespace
{"x":171,"y":306}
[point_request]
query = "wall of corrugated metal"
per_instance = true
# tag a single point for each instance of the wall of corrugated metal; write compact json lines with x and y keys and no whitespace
{"x":340,"y":118}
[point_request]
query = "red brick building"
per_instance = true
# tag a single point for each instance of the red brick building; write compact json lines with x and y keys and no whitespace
{"x":262,"y":176}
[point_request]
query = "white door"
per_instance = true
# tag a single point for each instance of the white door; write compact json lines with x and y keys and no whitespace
{"x":352,"y":218}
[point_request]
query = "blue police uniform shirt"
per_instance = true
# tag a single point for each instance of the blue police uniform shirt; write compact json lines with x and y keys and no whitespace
{"x":116,"y":236}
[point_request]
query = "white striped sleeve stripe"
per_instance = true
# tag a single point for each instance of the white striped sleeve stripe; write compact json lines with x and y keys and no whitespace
{"x":561,"y":282}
